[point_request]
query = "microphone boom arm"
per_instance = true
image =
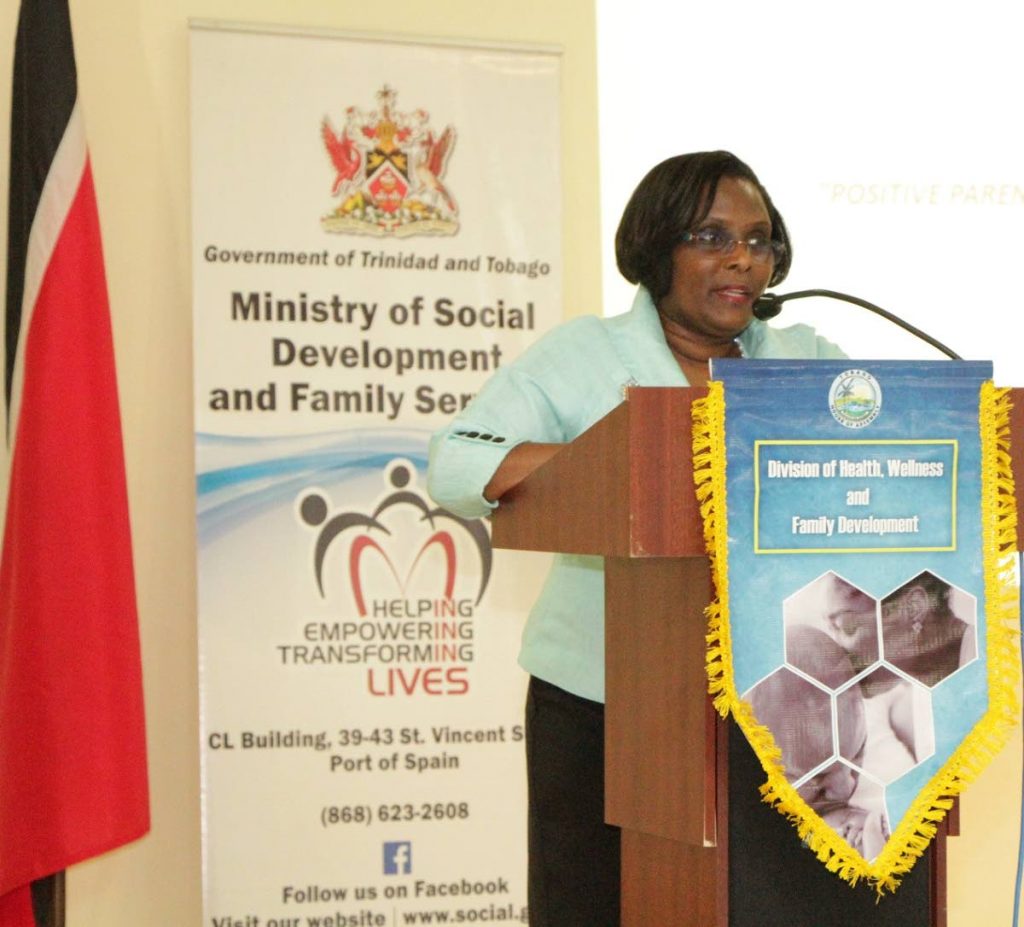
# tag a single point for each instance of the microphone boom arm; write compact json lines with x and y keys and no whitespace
{"x":871,"y":307}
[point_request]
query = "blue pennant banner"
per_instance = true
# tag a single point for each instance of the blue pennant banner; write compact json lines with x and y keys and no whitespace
{"x":859,"y":525}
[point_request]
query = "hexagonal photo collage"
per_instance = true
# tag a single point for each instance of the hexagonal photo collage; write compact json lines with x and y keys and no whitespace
{"x":851,"y":708}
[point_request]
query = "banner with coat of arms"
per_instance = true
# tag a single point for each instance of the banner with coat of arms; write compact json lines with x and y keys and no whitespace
{"x":860,"y":520}
{"x":376,"y":230}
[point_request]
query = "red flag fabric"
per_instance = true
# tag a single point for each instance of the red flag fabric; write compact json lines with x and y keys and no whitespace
{"x":73,"y":780}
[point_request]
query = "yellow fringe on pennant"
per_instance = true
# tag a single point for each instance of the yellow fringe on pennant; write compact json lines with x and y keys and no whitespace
{"x":979,"y":747}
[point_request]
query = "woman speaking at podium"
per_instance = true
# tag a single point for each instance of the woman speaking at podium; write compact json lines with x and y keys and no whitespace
{"x":702,"y":240}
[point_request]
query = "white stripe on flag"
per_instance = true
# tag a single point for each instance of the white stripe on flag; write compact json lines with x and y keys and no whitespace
{"x":58,"y":193}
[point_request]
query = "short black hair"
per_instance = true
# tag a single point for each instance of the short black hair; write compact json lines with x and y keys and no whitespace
{"x":670,"y":201}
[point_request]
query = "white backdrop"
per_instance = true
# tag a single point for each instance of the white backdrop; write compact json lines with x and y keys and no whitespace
{"x":888,"y":135}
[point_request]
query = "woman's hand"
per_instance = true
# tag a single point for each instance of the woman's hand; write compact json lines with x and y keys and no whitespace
{"x":518,"y":464}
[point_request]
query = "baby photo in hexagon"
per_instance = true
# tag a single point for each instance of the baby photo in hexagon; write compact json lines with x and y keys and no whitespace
{"x":899,"y":722}
{"x":929,"y":628}
{"x":863,"y":822}
{"x":843,"y":611}
{"x":799,"y":714}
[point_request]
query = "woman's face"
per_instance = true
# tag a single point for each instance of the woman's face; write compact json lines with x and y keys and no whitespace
{"x":712,"y":295}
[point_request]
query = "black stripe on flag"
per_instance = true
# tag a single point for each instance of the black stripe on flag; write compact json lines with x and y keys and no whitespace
{"x":42,"y":101}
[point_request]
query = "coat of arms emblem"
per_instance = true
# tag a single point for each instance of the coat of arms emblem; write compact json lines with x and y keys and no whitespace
{"x":389,"y":172}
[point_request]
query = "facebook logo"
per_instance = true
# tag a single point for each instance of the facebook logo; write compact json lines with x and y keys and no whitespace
{"x":397,"y":857}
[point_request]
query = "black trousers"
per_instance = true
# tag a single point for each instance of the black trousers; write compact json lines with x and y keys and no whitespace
{"x":574,"y":857}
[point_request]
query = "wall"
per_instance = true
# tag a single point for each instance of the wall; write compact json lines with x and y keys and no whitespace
{"x":133,"y":82}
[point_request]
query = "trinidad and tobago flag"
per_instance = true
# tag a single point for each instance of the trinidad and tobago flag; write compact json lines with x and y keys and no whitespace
{"x":72,"y":740}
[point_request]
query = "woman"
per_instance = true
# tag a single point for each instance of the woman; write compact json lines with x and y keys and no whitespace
{"x":702,"y":239}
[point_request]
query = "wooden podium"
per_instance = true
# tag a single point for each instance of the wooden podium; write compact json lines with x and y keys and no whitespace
{"x":624,"y":490}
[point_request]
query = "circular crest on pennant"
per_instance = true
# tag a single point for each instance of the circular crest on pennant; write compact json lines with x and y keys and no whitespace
{"x":855,"y":398}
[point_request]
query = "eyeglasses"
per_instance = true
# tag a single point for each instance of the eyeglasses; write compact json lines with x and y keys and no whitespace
{"x":716,"y":241}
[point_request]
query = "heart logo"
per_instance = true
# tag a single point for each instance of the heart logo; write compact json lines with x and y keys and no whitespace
{"x":365,"y":543}
{"x":314,"y":510}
